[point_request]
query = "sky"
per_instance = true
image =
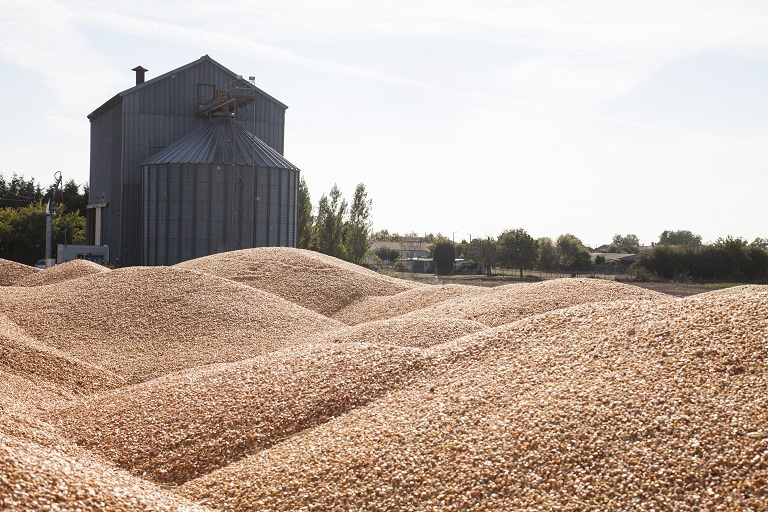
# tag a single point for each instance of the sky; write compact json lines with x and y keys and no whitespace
{"x":595,"y":118}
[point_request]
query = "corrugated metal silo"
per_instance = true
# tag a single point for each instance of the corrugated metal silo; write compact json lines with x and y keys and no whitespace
{"x":218,"y":189}
{"x":139,"y":122}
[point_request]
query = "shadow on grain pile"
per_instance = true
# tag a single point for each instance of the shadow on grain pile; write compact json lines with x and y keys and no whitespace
{"x":144,"y":322}
{"x":510,"y":303}
{"x":185,"y":425}
{"x":620,"y":405}
{"x":315,"y":281}
{"x":406,"y":332}
{"x":41,"y":470}
{"x":33,"y":373}
{"x":368,"y":309}
{"x":62,"y":272}
{"x":61,"y":476}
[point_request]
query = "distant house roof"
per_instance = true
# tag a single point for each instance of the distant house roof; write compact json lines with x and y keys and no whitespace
{"x":615,"y":256}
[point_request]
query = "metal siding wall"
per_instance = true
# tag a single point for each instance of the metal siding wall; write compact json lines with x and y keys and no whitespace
{"x":274,"y":207}
{"x":292,"y":209}
{"x":189,"y":210}
{"x":174,"y":210}
{"x":285,"y":208}
{"x":262,"y":207}
{"x":269,"y":123}
{"x":104,"y":181}
{"x":217,"y":208}
{"x":188,"y":226}
{"x":162,"y":214}
{"x":202,"y":210}
{"x":148,"y":213}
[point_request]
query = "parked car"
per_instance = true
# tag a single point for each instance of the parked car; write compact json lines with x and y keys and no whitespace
{"x":40,"y":264}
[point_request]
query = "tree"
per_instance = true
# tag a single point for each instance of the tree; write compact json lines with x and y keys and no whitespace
{"x":629,"y":244}
{"x":681,"y":237}
{"x":22,"y":231}
{"x":547,"y":254}
{"x":19,"y":192}
{"x":571,"y":252}
{"x":444,"y":256}
{"x":760,"y":243}
{"x":483,"y":251}
{"x":387,"y":254}
{"x":737,"y":254}
{"x":461,"y":249}
{"x":517,"y":250}
{"x":358,"y":227}
{"x":383,"y":235}
{"x":329,"y":224}
{"x":70,"y":196}
{"x":757,"y":268}
{"x":305,"y":216}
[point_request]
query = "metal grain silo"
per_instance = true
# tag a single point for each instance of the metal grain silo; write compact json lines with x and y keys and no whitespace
{"x":139,"y":122}
{"x":218,"y":189}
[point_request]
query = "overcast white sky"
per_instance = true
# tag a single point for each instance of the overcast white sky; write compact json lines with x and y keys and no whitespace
{"x":466,"y":118}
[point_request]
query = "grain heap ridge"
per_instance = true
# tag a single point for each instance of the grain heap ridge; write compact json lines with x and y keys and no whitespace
{"x":289,"y":273}
{"x":62,"y":272}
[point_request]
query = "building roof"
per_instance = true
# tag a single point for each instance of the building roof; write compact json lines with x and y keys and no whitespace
{"x":221,"y":141}
{"x":205,"y":58}
{"x":615,"y":256}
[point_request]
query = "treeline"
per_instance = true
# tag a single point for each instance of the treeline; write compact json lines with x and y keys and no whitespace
{"x":729,"y":258}
{"x":514,"y":249}
{"x":22,"y":217}
{"x":678,"y":255}
{"x":336,"y":227}
{"x":19,"y":192}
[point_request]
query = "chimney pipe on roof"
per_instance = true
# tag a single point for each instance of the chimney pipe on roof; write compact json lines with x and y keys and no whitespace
{"x":139,"y":74}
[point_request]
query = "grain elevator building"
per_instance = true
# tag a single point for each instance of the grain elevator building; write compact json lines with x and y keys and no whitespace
{"x":189,"y":164}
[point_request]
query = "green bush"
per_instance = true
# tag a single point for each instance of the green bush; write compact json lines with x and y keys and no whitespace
{"x":729,"y":259}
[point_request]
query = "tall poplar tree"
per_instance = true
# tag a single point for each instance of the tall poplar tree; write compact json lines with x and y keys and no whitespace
{"x":305,"y":216}
{"x":358,"y":228}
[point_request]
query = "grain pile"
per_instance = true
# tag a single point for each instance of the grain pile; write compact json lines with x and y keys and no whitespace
{"x":63,"y":272}
{"x":36,"y":477}
{"x":34,"y":370}
{"x":570,"y":394}
{"x":637,"y":404}
{"x":10,"y":272}
{"x":143,"y":322}
{"x":509,"y":303}
{"x":310,"y":279}
{"x":410,"y":332}
{"x":176,"y":428}
{"x":373,"y":308}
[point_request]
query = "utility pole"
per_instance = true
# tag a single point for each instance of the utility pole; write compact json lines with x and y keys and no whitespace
{"x":50,"y":211}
